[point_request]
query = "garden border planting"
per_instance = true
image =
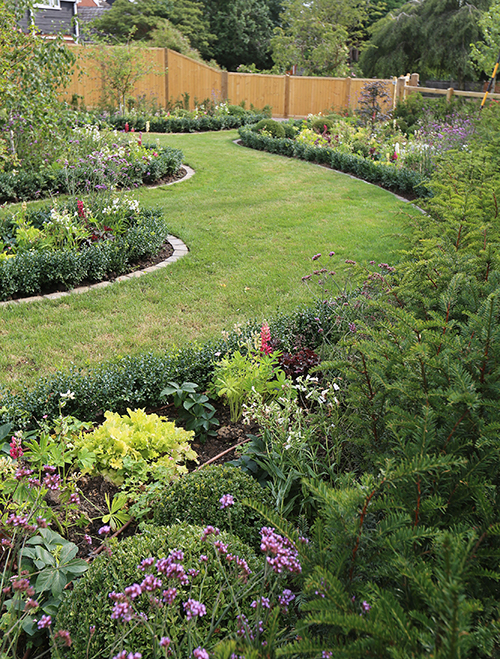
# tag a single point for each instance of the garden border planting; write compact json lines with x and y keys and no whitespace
{"x":180,"y":250}
{"x":400,"y":180}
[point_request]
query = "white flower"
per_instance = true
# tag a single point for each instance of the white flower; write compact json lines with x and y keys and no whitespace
{"x":69,"y":394}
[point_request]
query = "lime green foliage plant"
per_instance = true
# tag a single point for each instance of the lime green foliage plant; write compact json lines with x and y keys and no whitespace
{"x":195,"y":499}
{"x":138,"y":444}
{"x":235,"y":377}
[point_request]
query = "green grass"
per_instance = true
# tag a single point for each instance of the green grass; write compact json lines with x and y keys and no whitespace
{"x":252,"y":222}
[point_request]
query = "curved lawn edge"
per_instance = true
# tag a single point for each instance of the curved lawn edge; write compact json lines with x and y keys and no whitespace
{"x":403,"y":181}
{"x":180,"y":250}
{"x":239,"y":142}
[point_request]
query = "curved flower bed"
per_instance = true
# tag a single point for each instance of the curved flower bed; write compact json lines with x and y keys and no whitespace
{"x":65,"y":245}
{"x":395,"y":179}
{"x":96,"y":161}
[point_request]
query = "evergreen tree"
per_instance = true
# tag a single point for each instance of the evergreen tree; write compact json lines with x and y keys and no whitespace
{"x":431,"y":38}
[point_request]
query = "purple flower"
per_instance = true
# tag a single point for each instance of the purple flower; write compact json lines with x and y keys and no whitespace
{"x":365,"y":606}
{"x":209,"y":530}
{"x":104,"y":530}
{"x":200,"y":653}
{"x":165,"y":642}
{"x":226,"y":500}
{"x":286,"y":598}
{"x":316,"y":257}
{"x":326,"y":654}
{"x":87,"y":539}
{"x":331,"y":254}
{"x":194,"y":608}
{"x":44,"y":622}
{"x":169,"y":595}
{"x":352,"y":328}
{"x":281,"y":554}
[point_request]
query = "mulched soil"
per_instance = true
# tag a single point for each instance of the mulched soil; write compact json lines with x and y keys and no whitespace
{"x":93,"y":489}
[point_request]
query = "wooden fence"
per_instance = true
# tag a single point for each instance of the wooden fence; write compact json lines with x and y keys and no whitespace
{"x":405,"y":85}
{"x":173,"y":77}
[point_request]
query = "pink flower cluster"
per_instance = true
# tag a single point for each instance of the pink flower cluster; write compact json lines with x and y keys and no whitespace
{"x":226,"y":500}
{"x":16,"y":451}
{"x":281,"y":554}
{"x":265,"y":337}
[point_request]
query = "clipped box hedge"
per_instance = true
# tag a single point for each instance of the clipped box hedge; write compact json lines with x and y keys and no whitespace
{"x":34,"y":271}
{"x":26,"y":185}
{"x":185,"y":124}
{"x":137,"y":381}
{"x":392,"y":178}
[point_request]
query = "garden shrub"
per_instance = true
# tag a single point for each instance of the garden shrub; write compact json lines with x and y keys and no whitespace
{"x":179,"y":124}
{"x":88,"y":604}
{"x":195,"y":499}
{"x":274,"y":128}
{"x":320,"y":124}
{"x":33,"y":271}
{"x":137,"y":381}
{"x":390,"y":177}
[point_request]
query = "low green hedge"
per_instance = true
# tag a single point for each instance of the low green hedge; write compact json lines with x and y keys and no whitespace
{"x":34,"y":271}
{"x":137,"y":381}
{"x":185,"y":124}
{"x":26,"y":185}
{"x":88,"y":604}
{"x":195,"y":499}
{"x":393,"y":178}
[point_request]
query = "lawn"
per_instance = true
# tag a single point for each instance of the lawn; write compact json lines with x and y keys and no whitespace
{"x":252,"y":222}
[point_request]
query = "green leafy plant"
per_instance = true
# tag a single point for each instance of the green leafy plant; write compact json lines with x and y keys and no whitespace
{"x":235,"y":377}
{"x":117,"y":514}
{"x":138,"y":443}
{"x":195,"y":498}
{"x":194,"y":409}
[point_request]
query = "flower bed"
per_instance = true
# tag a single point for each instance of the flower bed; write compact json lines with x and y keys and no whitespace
{"x":65,"y":244}
{"x":207,"y":117}
{"x":393,"y":178}
{"x":93,"y":160}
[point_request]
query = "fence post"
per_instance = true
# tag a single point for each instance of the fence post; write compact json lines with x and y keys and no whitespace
{"x":400,"y":88}
{"x":347,"y":83}
{"x":449,"y":94}
{"x":224,"y":85}
{"x":165,"y":64}
{"x":414,"y":79}
{"x":286,"y":108}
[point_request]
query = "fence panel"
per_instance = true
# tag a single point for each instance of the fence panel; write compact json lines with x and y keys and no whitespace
{"x":313,"y":95}
{"x":170,"y":76}
{"x":258,"y":90}
{"x":87,"y":77}
{"x":185,"y":76}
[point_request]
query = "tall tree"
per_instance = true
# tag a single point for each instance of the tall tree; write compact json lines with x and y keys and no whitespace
{"x":316,"y":35}
{"x":429,"y":37}
{"x":139,"y":19}
{"x":484,"y":53}
{"x":243,"y":29}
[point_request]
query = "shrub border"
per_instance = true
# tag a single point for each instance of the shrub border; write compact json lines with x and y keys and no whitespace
{"x":180,"y":250}
{"x":137,"y":381}
{"x":395,"y":180}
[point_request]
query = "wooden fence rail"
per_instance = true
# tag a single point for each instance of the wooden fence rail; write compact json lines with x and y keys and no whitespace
{"x":173,"y":77}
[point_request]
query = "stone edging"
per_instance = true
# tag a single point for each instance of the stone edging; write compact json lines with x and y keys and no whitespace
{"x":180,"y":250}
